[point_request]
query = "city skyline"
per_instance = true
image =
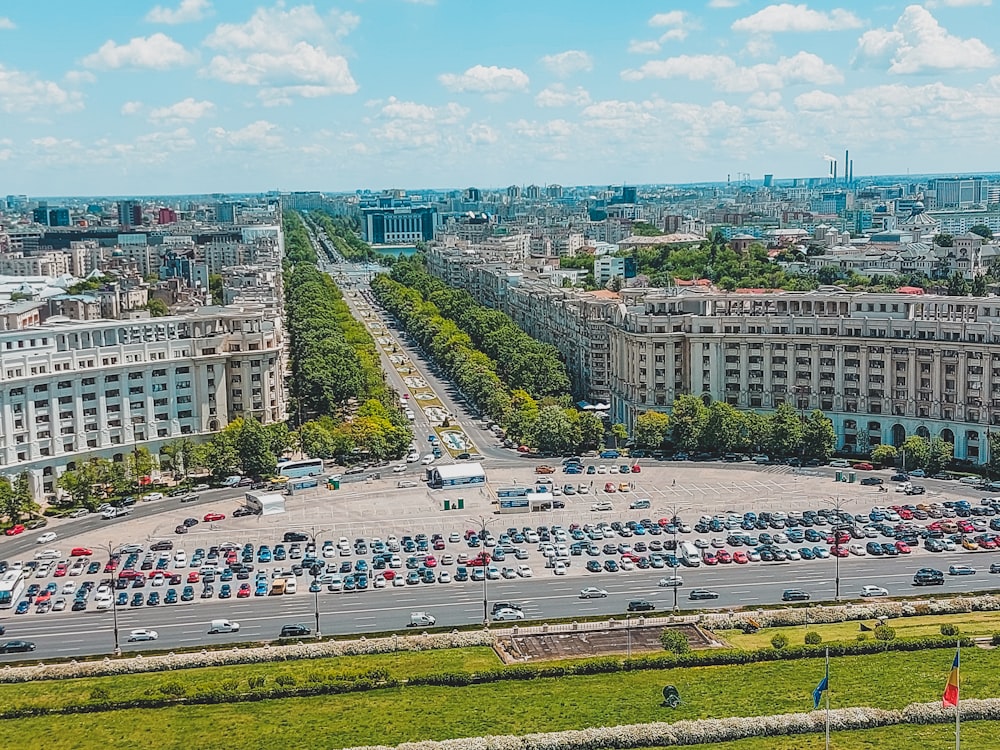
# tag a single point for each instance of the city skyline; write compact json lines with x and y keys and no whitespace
{"x":197,"y":96}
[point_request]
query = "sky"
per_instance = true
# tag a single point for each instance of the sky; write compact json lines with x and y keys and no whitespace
{"x":195,"y":96}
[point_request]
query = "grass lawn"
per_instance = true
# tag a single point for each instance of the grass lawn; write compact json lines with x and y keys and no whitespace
{"x":970,"y":624}
{"x":974,"y":734}
{"x":401,"y":665}
{"x":396,"y":715}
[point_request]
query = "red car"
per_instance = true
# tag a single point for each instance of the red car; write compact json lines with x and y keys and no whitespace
{"x":480,"y":559}
{"x":81,"y":552}
{"x":986,"y":542}
{"x":60,"y":571}
{"x":839,"y":551}
{"x":430,"y":561}
{"x":863,"y":466}
{"x":244,"y":591}
{"x":193,"y":577}
{"x":709,"y":559}
{"x":439,"y":544}
{"x":388,"y":574}
{"x":636,"y":469}
{"x":110,"y":566}
{"x":740,"y":558}
{"x":129,"y":573}
{"x":214,"y":517}
{"x":43,"y":596}
{"x":610,"y":487}
{"x":723,"y":557}
{"x":15,"y":530}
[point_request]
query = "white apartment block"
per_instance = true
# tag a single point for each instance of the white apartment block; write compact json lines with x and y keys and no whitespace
{"x":606,"y":267}
{"x":52,"y":264}
{"x":73,"y":391}
{"x":882,"y":366}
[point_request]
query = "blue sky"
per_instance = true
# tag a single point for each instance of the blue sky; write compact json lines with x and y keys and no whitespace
{"x":225,"y":95}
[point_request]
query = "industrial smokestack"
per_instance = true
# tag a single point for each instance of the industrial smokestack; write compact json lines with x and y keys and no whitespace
{"x":847,"y":161}
{"x":850,"y":177}
{"x":835,"y":171}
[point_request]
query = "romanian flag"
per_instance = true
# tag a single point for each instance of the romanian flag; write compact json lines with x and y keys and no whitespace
{"x":950,"y":697}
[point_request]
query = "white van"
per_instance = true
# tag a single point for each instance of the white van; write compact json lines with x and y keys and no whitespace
{"x":290,"y":586}
{"x":223,"y":626}
{"x":688,"y":555}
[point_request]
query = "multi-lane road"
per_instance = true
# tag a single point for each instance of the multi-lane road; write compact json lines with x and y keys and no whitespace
{"x":543,"y":597}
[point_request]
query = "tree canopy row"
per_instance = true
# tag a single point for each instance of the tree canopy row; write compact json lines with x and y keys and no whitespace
{"x":521,"y":361}
{"x":298,"y":248}
{"x":342,"y":231}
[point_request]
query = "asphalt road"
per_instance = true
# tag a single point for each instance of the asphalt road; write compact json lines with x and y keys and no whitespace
{"x":544,"y":597}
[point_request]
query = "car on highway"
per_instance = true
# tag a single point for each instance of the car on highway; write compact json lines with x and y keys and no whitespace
{"x":508,"y":613}
{"x":702,"y":594}
{"x":592,"y":592}
{"x":17,"y":528}
{"x":421,"y":619}
{"x":867,"y":591}
{"x":794,"y":595}
{"x":293,"y":631}
{"x":671,"y":582}
{"x":961,"y":570}
{"x":640,"y":605}
{"x":48,"y":536}
{"x":863,"y":466}
{"x":14,"y":647}
{"x":142,"y":634}
{"x":928,"y":577}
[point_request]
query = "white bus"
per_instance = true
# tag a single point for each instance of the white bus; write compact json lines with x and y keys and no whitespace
{"x":309,"y":467}
{"x":11,"y":588}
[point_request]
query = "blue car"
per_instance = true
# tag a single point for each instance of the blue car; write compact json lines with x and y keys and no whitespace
{"x":261,"y":589}
{"x":122,"y":599}
{"x":226,"y":591}
{"x":22,"y":607}
{"x":264,"y":554}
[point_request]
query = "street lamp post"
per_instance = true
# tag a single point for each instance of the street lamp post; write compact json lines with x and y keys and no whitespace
{"x":484,"y":523}
{"x":836,"y":547}
{"x":673,"y":522}
{"x":314,"y":570}
{"x":114,"y":606}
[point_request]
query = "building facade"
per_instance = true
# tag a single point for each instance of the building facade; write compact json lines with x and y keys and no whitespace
{"x":72,"y":391}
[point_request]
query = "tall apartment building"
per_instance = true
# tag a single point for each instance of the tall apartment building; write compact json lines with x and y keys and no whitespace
{"x":882,"y":366}
{"x":73,"y":391}
{"x":957,"y":192}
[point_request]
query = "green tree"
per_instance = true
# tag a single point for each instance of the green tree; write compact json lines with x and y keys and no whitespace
{"x":553,"y":431}
{"x":139,"y":465}
{"x":619,"y":432}
{"x":16,"y":501}
{"x":818,"y":436}
{"x":979,"y":285}
{"x":591,"y":429}
{"x":316,"y":441}
{"x":884,"y":454}
{"x":157,"y":308}
{"x":982,"y":230}
{"x":757,"y":429}
{"x":944,"y":240}
{"x":993,"y":459}
{"x":786,"y":431}
{"x":688,"y":418}
{"x":724,"y":429}
{"x":828,"y":275}
{"x":81,"y":485}
{"x":957,"y":285}
{"x":674,"y":641}
{"x":941,"y":453}
{"x":651,"y":429}
{"x":253,"y":445}
{"x":215,"y":288}
{"x":177,"y":454}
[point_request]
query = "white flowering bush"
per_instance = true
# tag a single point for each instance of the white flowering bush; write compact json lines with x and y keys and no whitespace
{"x":247,"y":655}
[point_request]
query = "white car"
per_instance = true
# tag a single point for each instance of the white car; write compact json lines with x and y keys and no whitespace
{"x":874,"y":591}
{"x":524,"y":571}
{"x":180,"y":559}
{"x":427,"y":460}
{"x":626,"y":564}
{"x":379,"y":581}
{"x":559,"y":569}
{"x":78,"y":569}
{"x":444,"y":577}
{"x":508,"y":613}
{"x":142,"y":634}
{"x":69,"y":588}
{"x":48,"y":554}
{"x":857,"y":549}
{"x":79,"y":513}
{"x":602,"y":506}
{"x":671,"y":582}
{"x":421,"y":619}
{"x":399,"y":469}
{"x":48,"y":536}
{"x":152,"y":496}
{"x":592,"y":592}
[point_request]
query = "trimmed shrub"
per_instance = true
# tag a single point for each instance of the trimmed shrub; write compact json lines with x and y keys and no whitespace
{"x":813,"y":638}
{"x":779,"y":641}
{"x":949,"y":629}
{"x":674,"y":641}
{"x":885,"y":633}
{"x":284,"y":680}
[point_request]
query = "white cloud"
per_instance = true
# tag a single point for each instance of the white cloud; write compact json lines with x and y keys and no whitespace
{"x":677,"y":23}
{"x":958,"y":3}
{"x":449,"y":114}
{"x":132,"y":108}
{"x":186,"y":12}
{"x":918,"y":43}
{"x":723,"y":3}
{"x":567,"y":63}
{"x":6,"y":24}
{"x":77,"y":77}
{"x":284,"y":52}
{"x":157,"y":52}
{"x":559,"y":129}
{"x":50,"y":143}
{"x":257,"y":135}
{"x":481,"y":133}
{"x":482,"y":79}
{"x":557,"y":95}
{"x":20,"y":92}
{"x":726,"y":75}
{"x":186,"y":109}
{"x":278,"y":30}
{"x":786,"y":17}
{"x":640,"y":47}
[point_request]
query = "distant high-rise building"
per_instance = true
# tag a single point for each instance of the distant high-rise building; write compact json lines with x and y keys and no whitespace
{"x":166,"y":216}
{"x":59,"y":217}
{"x":473,"y":195}
{"x":629,"y":194}
{"x":130,"y":213}
{"x":554,"y":191}
{"x":225,"y":213}
{"x":957,"y":192}
{"x":399,"y":224}
{"x":768,"y":180}
{"x":532,"y":192}
{"x":514,"y":191}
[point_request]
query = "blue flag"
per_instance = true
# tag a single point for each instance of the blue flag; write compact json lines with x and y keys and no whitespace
{"x":823,"y":686}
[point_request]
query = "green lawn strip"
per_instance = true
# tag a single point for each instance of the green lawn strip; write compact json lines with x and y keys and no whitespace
{"x":395,"y":715}
{"x":53,"y":694}
{"x":969,"y":624}
{"x":975,"y":734}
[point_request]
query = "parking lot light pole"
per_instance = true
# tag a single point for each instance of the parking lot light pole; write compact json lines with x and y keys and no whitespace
{"x":313,"y":570}
{"x":483,"y":522}
{"x":836,"y":547}
{"x":114,"y":605}
{"x":673,"y":572}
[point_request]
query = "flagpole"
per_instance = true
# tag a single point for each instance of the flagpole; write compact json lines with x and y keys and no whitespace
{"x":828,"y":698}
{"x":958,"y":697}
